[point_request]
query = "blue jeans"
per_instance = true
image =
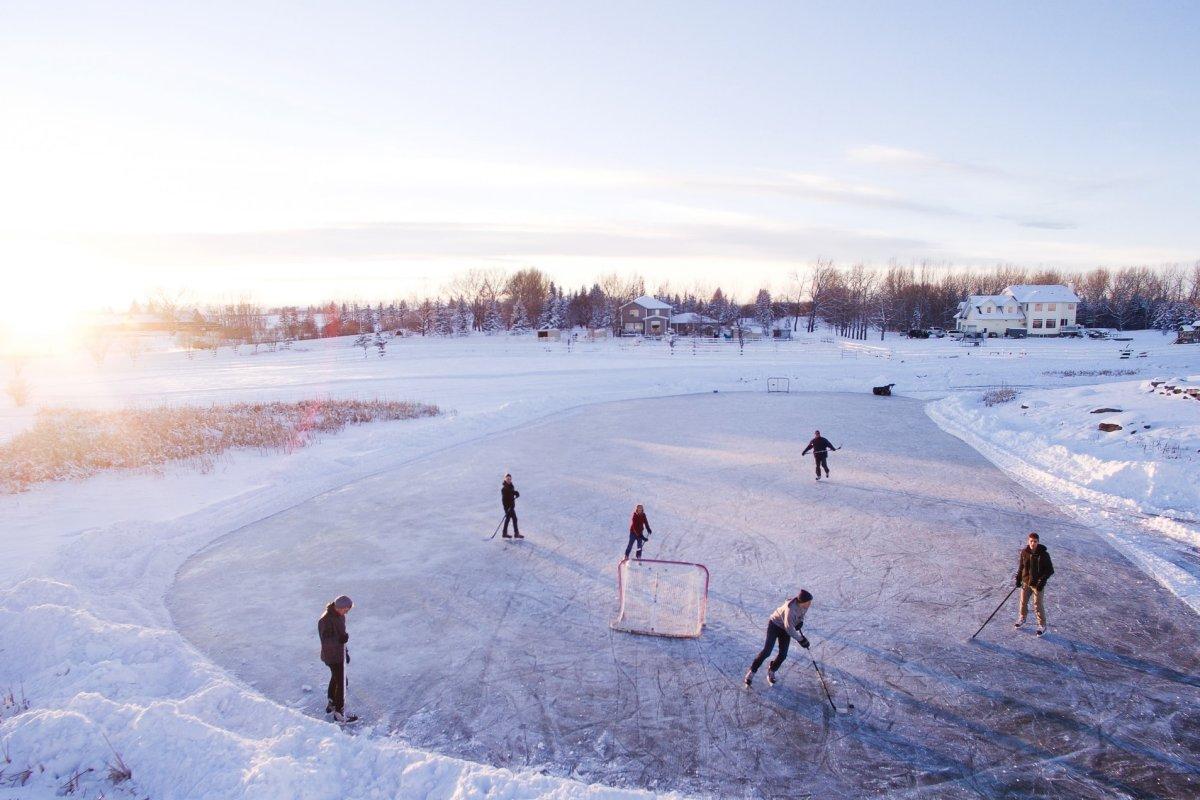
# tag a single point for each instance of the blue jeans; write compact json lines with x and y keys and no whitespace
{"x":633,"y":537}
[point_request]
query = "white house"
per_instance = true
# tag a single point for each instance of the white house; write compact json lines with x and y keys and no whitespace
{"x":646,"y":316}
{"x":1039,"y":310}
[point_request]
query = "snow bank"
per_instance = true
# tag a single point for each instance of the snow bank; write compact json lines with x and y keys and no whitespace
{"x":85,"y":635}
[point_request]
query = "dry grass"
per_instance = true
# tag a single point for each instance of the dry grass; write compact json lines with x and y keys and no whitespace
{"x":994,"y":397}
{"x":1075,"y":373}
{"x":64,"y":444}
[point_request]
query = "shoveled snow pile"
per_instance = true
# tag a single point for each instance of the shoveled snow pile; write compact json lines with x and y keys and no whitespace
{"x":1136,"y":477}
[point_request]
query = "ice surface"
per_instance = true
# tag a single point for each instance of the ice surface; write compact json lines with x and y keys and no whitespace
{"x":500,"y":652}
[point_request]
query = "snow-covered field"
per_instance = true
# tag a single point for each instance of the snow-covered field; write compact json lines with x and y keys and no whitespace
{"x":173,"y":613}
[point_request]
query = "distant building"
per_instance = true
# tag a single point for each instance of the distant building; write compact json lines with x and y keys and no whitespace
{"x":1038,"y":310}
{"x":690,"y":323}
{"x":645,"y":316}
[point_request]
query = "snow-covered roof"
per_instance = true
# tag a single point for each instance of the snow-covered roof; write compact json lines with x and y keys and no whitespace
{"x":997,"y":302}
{"x":691,"y":318}
{"x":1042,"y":293}
{"x":648,"y":302}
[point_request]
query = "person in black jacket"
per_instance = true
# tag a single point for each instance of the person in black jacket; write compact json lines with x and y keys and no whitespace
{"x":820,"y":447}
{"x":331,"y":627}
{"x":1034,"y":568}
{"x":508,"y":499}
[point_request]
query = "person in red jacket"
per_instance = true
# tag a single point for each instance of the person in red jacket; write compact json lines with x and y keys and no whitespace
{"x":639,"y":531}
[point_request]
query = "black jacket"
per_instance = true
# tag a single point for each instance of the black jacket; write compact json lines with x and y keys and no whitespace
{"x":508,"y":495}
{"x":819,"y":445}
{"x":331,"y":627}
{"x":1034,"y":567}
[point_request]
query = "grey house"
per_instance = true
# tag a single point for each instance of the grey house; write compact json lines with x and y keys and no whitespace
{"x":645,"y":316}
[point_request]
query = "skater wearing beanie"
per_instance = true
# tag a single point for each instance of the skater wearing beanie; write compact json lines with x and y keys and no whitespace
{"x":508,"y":499}
{"x":331,"y":627}
{"x":785,"y":624}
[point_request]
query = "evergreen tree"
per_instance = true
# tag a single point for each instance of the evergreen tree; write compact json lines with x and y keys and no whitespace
{"x":493,"y":323}
{"x":520,"y":319}
{"x":462,"y":318}
{"x":763,"y":314}
{"x":601,"y":318}
{"x":443,"y":318}
{"x":546,"y":318}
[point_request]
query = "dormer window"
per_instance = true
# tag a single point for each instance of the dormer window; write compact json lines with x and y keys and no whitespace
{"x":1037,"y":306}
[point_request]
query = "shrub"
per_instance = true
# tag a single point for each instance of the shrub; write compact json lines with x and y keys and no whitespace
{"x":67,"y":443}
{"x":994,"y":397}
{"x":1083,"y":373}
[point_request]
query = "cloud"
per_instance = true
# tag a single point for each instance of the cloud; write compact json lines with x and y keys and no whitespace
{"x":404,"y":241}
{"x":884,"y":155}
{"x":1044,"y":224}
{"x":825,"y":189}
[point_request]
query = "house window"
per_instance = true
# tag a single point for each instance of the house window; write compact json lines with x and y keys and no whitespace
{"x":633,"y":312}
{"x":1070,"y":306}
{"x":1037,"y":323}
{"x":1037,"y":306}
{"x":1062,"y":322}
{"x":1049,"y":323}
{"x":1049,"y":306}
{"x":987,"y":310}
{"x":1010,"y":309}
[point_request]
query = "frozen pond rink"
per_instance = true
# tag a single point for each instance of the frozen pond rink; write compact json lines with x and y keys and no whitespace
{"x":501,"y":652}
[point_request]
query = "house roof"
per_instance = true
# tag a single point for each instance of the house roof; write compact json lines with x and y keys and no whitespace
{"x":692,"y":318}
{"x":1042,"y":293}
{"x":649,"y":303}
{"x":978,"y":302}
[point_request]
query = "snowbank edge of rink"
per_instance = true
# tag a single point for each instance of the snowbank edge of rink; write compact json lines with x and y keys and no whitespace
{"x":1129,"y":519}
{"x":91,"y":646}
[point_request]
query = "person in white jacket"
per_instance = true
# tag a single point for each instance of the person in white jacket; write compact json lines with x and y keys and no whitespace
{"x":786,"y":623}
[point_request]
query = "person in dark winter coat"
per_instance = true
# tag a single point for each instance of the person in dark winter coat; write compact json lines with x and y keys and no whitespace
{"x":820,"y":447}
{"x":508,"y":499}
{"x":1034,"y":568}
{"x":639,"y":531}
{"x":331,"y":627}
{"x":786,"y":623}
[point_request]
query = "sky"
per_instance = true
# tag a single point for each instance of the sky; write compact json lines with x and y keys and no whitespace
{"x":290,"y":152}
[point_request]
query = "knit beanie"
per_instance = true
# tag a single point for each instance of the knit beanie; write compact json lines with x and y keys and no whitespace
{"x":343,"y":602}
{"x":805,"y":596}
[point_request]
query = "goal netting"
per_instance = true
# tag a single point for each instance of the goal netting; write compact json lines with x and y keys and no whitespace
{"x":661,"y":598}
{"x":783,"y":385}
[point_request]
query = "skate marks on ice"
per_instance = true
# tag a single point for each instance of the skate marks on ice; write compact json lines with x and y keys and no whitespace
{"x":501,"y":652}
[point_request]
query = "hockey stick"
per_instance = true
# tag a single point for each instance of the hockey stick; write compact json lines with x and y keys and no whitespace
{"x":997,"y":611}
{"x":498,"y":524}
{"x":823,"y":686}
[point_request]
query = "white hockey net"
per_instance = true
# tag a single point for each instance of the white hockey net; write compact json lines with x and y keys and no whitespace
{"x":783,"y":385}
{"x":661,"y":598}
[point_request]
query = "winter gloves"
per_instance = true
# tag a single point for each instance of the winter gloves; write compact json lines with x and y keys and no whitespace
{"x":804,"y":642}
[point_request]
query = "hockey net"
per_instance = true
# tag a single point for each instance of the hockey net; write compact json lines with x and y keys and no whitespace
{"x":661,"y":598}
{"x":783,"y":385}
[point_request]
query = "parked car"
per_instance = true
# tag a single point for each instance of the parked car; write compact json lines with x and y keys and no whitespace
{"x":1098,"y":333}
{"x":1015,"y":333}
{"x":937,"y":333}
{"x":917,"y":333}
{"x":1071,"y":331}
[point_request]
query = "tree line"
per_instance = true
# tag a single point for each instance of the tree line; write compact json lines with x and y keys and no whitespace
{"x":852,"y":301}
